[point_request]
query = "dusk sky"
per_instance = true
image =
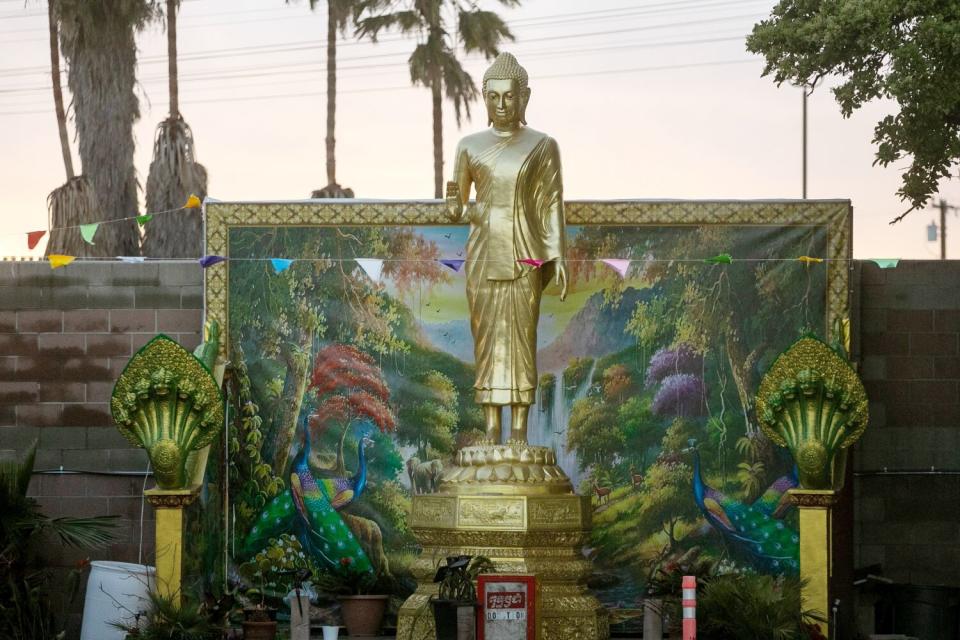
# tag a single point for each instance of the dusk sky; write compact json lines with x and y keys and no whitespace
{"x":649,"y":99}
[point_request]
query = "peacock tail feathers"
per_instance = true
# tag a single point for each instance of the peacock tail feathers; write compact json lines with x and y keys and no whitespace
{"x":758,"y":532}
{"x":167,"y":402}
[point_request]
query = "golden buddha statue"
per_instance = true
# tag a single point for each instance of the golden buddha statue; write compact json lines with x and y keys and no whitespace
{"x":509,"y":502}
{"x":518,"y":216}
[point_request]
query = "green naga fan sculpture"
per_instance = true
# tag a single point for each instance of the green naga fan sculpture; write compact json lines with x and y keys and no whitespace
{"x":812,"y":402}
{"x":168,"y":402}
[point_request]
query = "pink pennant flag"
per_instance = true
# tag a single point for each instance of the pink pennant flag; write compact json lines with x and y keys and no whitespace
{"x":620,"y":266}
{"x":533,"y":262}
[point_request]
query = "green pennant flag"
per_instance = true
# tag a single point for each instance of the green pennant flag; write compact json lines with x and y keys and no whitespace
{"x":144,"y":219}
{"x":723,"y":258}
{"x":886,"y":263}
{"x":88,"y":231}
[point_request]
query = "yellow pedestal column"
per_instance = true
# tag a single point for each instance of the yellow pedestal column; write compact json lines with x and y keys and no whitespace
{"x":816,"y":552}
{"x":169,"y":506}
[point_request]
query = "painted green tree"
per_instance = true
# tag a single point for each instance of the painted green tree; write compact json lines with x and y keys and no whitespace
{"x":428,"y":415}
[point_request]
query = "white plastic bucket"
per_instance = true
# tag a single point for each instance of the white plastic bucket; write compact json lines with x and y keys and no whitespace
{"x":116,"y":592}
{"x":330,"y":632}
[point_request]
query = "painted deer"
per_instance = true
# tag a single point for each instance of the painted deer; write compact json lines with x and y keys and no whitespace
{"x":603,"y":493}
{"x":636,"y":479}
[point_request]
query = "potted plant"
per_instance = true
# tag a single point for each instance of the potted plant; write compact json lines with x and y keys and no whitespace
{"x":361,"y":595}
{"x":458,"y":594}
{"x":259,"y":620}
{"x":169,"y":619}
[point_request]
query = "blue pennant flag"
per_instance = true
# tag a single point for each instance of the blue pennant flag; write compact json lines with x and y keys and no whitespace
{"x":209,"y":261}
{"x":280,"y":264}
{"x":453,"y":264}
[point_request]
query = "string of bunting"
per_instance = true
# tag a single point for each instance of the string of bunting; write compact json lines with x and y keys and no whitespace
{"x":373,"y":267}
{"x":89,"y":230}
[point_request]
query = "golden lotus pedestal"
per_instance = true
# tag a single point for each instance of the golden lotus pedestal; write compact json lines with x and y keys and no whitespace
{"x":533,"y":526}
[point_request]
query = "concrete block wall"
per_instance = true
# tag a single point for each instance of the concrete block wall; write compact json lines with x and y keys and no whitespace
{"x":65,"y":336}
{"x":910,"y":348}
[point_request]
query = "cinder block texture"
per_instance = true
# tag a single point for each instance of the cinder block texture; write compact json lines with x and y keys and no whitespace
{"x":910,"y":341}
{"x":64,"y":337}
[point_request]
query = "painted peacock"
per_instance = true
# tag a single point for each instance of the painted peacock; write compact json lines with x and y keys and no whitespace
{"x":309,"y":509}
{"x":755,"y":531}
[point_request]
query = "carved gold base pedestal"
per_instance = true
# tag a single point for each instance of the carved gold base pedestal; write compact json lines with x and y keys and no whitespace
{"x":523,"y":522}
{"x":816,"y":553}
{"x":169,"y":506}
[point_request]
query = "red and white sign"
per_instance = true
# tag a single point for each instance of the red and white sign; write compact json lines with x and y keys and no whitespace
{"x":509,"y":607}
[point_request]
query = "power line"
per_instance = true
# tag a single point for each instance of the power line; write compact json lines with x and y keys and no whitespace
{"x":309,"y":45}
{"x":304,"y":45}
{"x":274,"y":70}
{"x":411,"y":87}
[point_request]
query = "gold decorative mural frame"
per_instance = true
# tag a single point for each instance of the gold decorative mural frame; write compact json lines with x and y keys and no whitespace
{"x":835,"y":216}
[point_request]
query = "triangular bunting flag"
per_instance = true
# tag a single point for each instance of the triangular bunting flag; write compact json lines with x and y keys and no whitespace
{"x":619,"y":265}
{"x":57,"y":260}
{"x":131,"y":259}
{"x":144,"y":219}
{"x":209,"y":261}
{"x":886,"y":263}
{"x":533,"y":262}
{"x":88,"y":231}
{"x":280,"y":264}
{"x":807,"y":260}
{"x":193,"y":202}
{"x":723,"y":258}
{"x":34,"y":237}
{"x":372,"y":266}
{"x":453,"y":264}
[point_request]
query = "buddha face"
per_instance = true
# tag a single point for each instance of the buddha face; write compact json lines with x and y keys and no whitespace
{"x":506,"y":102}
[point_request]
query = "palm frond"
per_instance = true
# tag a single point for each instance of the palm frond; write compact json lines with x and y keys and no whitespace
{"x":405,"y":21}
{"x":483,"y":31}
{"x":459,"y":86}
{"x":84,"y":533}
{"x":15,"y":474}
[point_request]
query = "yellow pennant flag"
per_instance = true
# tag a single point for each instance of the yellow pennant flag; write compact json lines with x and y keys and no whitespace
{"x":807,"y":260}
{"x":193,"y":202}
{"x":57,"y":260}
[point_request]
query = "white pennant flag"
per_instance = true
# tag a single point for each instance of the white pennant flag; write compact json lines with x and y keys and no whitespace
{"x":372,"y":266}
{"x":619,"y":265}
{"x":131,"y":259}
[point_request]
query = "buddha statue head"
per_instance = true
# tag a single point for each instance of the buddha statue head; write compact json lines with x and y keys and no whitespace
{"x":505,"y":93}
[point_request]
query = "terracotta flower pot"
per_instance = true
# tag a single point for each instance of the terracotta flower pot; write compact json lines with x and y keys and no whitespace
{"x":259,"y":630}
{"x":362,"y":615}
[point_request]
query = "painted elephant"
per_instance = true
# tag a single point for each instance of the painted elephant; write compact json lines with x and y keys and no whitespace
{"x":424,"y":476}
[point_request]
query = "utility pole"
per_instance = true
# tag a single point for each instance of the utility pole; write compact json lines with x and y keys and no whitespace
{"x":944,"y":207}
{"x":804,"y":87}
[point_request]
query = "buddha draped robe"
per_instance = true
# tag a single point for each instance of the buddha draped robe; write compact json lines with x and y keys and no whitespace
{"x":518,"y":215}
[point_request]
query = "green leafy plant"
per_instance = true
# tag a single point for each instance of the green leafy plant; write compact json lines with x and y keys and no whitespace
{"x":171,"y":619}
{"x":26,"y":611}
{"x":745,"y":606}
{"x":347,"y":580}
{"x":458,"y":576}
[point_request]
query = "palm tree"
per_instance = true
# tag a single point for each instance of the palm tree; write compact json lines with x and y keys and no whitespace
{"x":97,"y":39}
{"x":74,"y":200}
{"x":434,"y":62}
{"x":339,"y":13}
{"x":174,"y":172}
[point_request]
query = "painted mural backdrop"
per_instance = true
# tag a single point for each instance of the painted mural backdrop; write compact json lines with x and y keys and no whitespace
{"x":350,"y":395}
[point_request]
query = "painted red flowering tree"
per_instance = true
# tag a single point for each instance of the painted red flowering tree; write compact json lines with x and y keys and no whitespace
{"x":349,"y":387}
